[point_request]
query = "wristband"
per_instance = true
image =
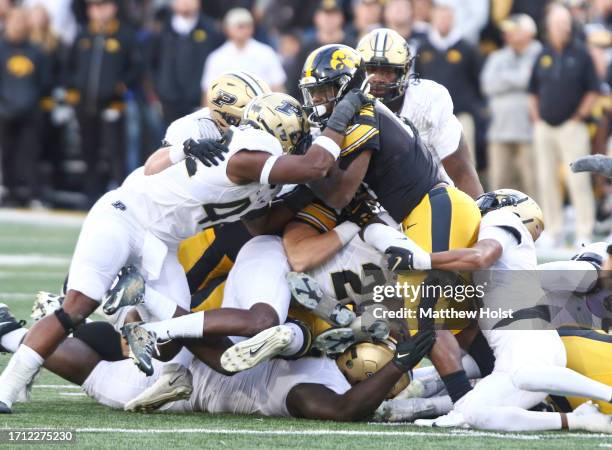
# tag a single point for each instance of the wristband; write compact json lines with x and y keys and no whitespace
{"x":267,"y":168}
{"x":176,"y":154}
{"x":328,"y":144}
{"x":346,"y":231}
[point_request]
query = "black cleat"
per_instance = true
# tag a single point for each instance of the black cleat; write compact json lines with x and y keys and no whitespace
{"x":5,"y":409}
{"x":127,"y":290}
{"x":8,"y":323}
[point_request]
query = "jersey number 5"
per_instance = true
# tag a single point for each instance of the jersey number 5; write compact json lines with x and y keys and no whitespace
{"x":219,"y":211}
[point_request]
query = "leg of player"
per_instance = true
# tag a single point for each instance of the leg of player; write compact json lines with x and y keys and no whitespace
{"x":560,"y":381}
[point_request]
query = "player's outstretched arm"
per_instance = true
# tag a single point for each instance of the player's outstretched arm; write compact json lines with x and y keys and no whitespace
{"x":460,"y":169}
{"x":208,"y":151}
{"x":481,"y":256}
{"x":307,"y":248}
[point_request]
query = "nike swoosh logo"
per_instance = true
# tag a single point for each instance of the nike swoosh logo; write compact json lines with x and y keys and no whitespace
{"x":171,"y":382}
{"x":409,"y":226}
{"x":3,"y":323}
{"x":399,"y":355}
{"x":254,"y":351}
{"x":398,"y":260}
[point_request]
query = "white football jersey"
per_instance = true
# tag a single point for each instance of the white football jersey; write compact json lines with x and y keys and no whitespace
{"x":175,"y":204}
{"x":261,"y":390}
{"x":350,"y":276}
{"x":428,"y":105}
{"x":198,"y":125}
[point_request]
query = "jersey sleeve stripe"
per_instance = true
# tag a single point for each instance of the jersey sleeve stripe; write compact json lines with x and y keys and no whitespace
{"x":354,"y":145}
{"x":312,"y":221}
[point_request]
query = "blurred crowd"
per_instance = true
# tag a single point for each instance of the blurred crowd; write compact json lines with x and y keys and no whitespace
{"x":87,"y":87}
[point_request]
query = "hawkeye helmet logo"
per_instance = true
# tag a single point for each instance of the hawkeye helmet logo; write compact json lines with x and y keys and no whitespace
{"x":288,"y":109}
{"x":340,"y":59}
{"x":224,"y":98}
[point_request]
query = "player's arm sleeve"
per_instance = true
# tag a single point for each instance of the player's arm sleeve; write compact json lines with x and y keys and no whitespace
{"x":447,"y":132}
{"x":180,"y":130}
{"x":361,"y":136}
{"x":319,"y":216}
{"x":568,"y":276}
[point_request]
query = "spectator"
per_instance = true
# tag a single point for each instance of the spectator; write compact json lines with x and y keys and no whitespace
{"x":22,"y":83}
{"x":398,"y":17}
{"x":51,"y":127}
{"x":178,"y":57}
{"x":104,"y":63}
{"x":62,"y":20}
{"x":242,"y":52}
{"x":5,"y":7}
{"x":329,"y":29}
{"x":421,"y":24}
{"x":471,"y":16}
{"x":367,"y":16}
{"x":504,"y":80}
{"x":449,"y":60}
{"x":564,"y":86}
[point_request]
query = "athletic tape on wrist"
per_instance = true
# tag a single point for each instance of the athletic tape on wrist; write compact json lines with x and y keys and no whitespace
{"x":329,"y":145}
{"x":267,"y":168}
{"x":176,"y":154}
{"x":346,"y":231}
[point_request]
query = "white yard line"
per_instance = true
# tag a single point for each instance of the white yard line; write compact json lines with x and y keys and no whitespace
{"x":326,"y":432}
{"x":46,"y":218}
{"x":56,"y":386}
{"x":33,"y":259}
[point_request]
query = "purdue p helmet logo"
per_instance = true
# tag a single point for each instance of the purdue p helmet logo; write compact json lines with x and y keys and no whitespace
{"x":224,"y":98}
{"x":289,"y":109}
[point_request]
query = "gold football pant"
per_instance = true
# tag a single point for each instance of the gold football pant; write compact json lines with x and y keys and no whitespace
{"x":445,"y":219}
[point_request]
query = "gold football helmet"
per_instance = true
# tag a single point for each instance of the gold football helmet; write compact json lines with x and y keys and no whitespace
{"x":283,"y":117}
{"x":230,"y":93}
{"x":385,"y":48}
{"x":517,"y":203}
{"x":362,"y":360}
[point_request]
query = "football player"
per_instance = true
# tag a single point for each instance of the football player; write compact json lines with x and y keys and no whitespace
{"x":425,"y":103}
{"x":311,"y":388}
{"x":380,"y":150}
{"x":146,"y":218}
{"x":529,"y":362}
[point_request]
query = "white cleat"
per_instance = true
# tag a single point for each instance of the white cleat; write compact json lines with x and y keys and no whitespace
{"x":45,"y":304}
{"x":591,"y":419}
{"x":453,"y":419}
{"x":253,"y":351}
{"x":175,"y":383}
{"x":411,"y":409}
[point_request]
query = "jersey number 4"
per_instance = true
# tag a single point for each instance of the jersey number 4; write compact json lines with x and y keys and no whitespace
{"x":219,"y":211}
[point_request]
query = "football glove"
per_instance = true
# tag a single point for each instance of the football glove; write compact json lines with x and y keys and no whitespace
{"x":409,"y":353}
{"x":208,"y":151}
{"x":298,"y":198}
{"x":404,"y":259}
{"x":347,"y":108}
{"x":362,"y":209}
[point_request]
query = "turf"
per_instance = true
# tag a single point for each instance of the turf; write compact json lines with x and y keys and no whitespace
{"x":57,"y":404}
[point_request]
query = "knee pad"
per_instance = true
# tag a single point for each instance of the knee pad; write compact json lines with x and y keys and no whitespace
{"x":65,"y":320}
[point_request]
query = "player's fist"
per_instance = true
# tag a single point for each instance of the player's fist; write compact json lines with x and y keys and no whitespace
{"x":362,"y":209}
{"x":208,"y":151}
{"x":347,"y":108}
{"x":407,"y":257}
{"x":410,"y":352}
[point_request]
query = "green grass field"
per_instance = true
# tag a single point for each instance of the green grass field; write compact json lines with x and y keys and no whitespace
{"x":34,"y":255}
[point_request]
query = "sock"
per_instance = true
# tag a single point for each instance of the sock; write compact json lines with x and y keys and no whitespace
{"x":457,"y":385}
{"x":560,"y":381}
{"x":482,"y":354}
{"x":158,"y":305}
{"x":187,"y":326}
{"x":296,"y":343}
{"x":18,"y":373}
{"x":184,"y":358}
{"x":11,"y":341}
{"x":472,"y":371}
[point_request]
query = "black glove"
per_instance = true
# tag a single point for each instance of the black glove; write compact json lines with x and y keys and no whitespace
{"x":409,"y":353}
{"x":208,"y":151}
{"x":399,"y":259}
{"x":297,"y":199}
{"x":362,"y":209}
{"x":347,"y":108}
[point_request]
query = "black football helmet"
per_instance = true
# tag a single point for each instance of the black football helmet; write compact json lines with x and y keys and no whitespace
{"x":328,"y":74}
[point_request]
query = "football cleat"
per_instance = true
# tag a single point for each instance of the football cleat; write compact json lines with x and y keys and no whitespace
{"x":45,"y":304}
{"x":368,"y":328}
{"x":175,"y":383}
{"x":591,"y":419}
{"x":411,"y":409}
{"x":5,"y":409}
{"x":127,"y":290}
{"x":453,"y":419}
{"x":334,"y":341}
{"x":142,"y":344}
{"x":253,"y":351}
{"x":8,"y":323}
{"x":306,"y":291}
